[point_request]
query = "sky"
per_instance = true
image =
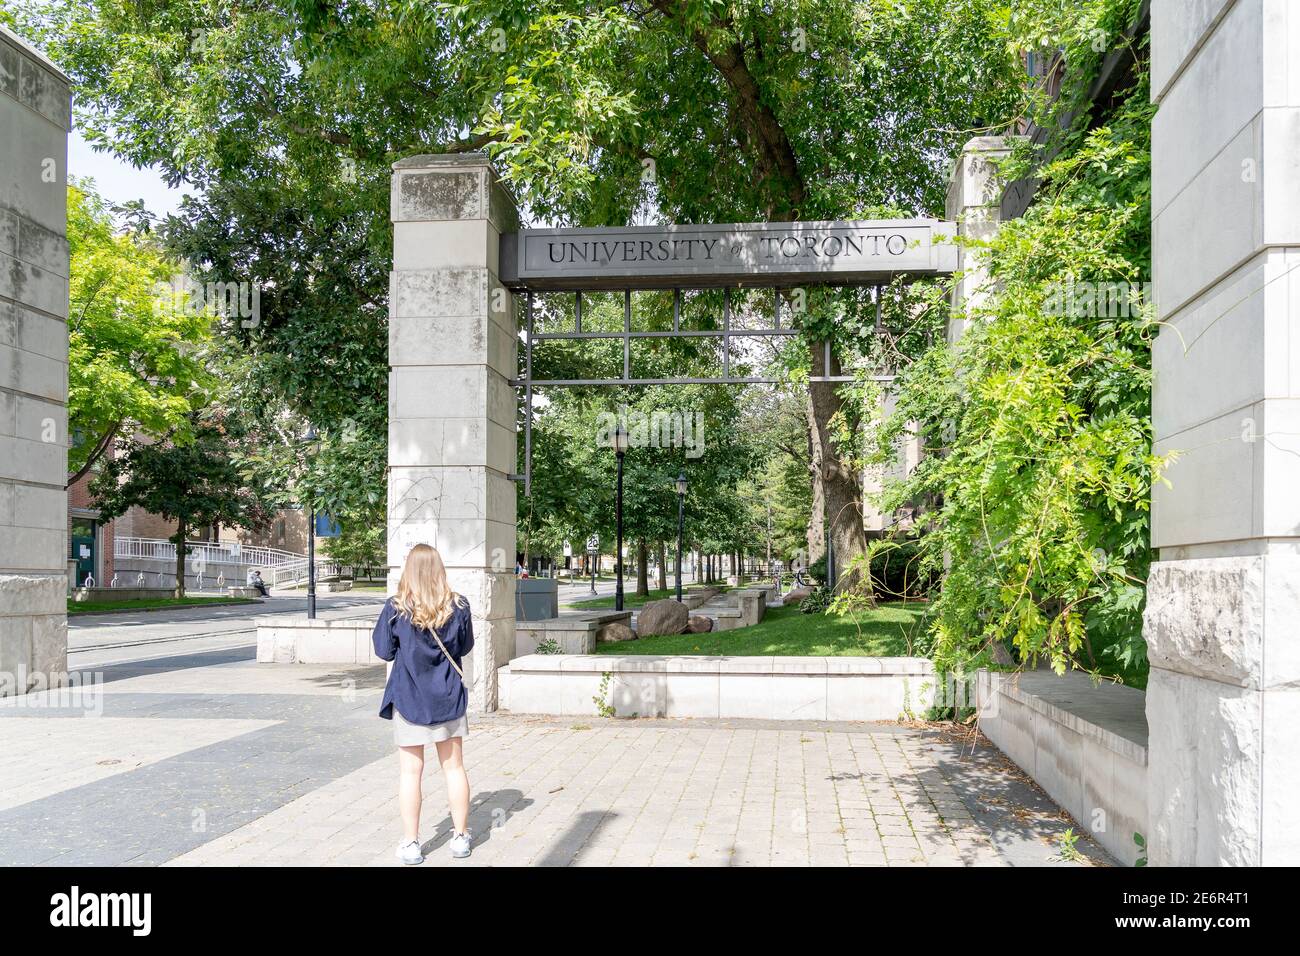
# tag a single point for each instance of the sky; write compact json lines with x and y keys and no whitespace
{"x":119,"y":182}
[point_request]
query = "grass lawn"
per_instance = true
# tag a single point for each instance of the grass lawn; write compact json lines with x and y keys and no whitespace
{"x":149,"y":604}
{"x":786,"y":632}
{"x":631,"y":599}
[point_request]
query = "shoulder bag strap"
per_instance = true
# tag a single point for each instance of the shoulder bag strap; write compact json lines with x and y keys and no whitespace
{"x":450,"y":660}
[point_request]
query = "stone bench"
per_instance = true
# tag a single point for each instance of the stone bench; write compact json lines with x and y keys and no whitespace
{"x":1085,"y":744}
{"x":576,"y":632}
{"x":727,"y":619}
{"x":245,"y":592}
{"x":770,"y":688}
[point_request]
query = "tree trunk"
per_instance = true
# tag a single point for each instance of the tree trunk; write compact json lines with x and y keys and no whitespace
{"x":642,"y":559}
{"x":179,"y":590}
{"x":840,"y":488}
{"x":663,"y":567}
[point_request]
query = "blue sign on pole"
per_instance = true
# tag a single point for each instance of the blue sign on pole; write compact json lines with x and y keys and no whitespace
{"x":327,"y":527}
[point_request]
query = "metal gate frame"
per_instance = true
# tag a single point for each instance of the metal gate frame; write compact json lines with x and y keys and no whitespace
{"x":627,"y":336}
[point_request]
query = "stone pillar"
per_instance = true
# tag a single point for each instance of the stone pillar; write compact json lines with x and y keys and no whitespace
{"x":452,"y":350}
{"x":1223,"y":602}
{"x":974,"y":203}
{"x":35,"y":116}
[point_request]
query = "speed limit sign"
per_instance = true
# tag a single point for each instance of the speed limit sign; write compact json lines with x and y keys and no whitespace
{"x":593,"y":544}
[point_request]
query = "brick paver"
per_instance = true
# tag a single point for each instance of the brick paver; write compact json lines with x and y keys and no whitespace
{"x":287,"y":764}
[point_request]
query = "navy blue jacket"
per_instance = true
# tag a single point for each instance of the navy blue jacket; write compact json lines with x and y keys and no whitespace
{"x":423,"y":685}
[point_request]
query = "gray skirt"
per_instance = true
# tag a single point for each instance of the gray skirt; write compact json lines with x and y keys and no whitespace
{"x":407,"y":734}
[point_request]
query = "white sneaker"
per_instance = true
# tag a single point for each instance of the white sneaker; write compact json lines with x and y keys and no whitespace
{"x":460,"y":845}
{"x":409,"y":853}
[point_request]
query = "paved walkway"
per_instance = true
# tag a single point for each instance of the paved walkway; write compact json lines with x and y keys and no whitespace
{"x":211,"y":758}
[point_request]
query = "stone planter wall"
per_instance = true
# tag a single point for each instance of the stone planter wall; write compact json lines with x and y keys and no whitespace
{"x":1085,"y":745}
{"x":769,"y":688}
{"x":577,"y":632}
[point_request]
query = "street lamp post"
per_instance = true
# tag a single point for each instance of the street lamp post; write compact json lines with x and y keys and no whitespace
{"x":620,"y":449}
{"x":681,"y":524}
{"x":309,"y":439}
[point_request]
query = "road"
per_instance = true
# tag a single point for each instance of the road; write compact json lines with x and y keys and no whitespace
{"x":99,"y":639}
{"x":102,"y":639}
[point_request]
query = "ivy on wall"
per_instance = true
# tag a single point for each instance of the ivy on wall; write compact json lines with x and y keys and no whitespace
{"x":1037,"y":426}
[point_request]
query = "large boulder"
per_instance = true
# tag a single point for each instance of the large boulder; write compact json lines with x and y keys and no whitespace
{"x":796,"y":595}
{"x":699,"y":624}
{"x":617,"y":632}
{"x":662,"y":617}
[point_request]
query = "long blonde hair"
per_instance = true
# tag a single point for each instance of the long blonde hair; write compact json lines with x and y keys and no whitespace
{"x":423,"y":594}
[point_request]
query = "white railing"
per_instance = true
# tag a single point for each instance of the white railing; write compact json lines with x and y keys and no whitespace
{"x":296,"y":573}
{"x":210,"y":552}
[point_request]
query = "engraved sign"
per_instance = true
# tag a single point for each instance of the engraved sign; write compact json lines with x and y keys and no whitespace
{"x":716,"y":254}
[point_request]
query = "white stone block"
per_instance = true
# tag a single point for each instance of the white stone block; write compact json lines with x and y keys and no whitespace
{"x":450,"y":492}
{"x":440,"y":192}
{"x":434,"y":245}
{"x":1177,"y":27}
{"x":1204,"y":771}
{"x":451,"y":391}
{"x":32,"y":549}
{"x":773,"y":697}
{"x":536,"y":693}
{"x":36,"y":287}
{"x":42,"y":594}
{"x":1204,"y":499}
{"x":1218,"y":193}
{"x":24,"y":160}
{"x":462,"y":542}
{"x":34,"y":373}
{"x":1279,"y":832}
{"x":1219,"y":92}
{"x":491,"y":595}
{"x":449,"y":290}
{"x":690,"y":693}
{"x":453,"y":340}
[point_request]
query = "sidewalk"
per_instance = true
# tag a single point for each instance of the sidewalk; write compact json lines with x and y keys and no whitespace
{"x":207,"y":758}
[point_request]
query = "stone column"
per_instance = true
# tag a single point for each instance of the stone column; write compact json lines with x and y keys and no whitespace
{"x":452,"y":350}
{"x":35,"y":116}
{"x":974,"y":203}
{"x":1223,"y":602}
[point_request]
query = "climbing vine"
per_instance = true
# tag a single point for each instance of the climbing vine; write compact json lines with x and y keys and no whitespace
{"x":1037,"y":426}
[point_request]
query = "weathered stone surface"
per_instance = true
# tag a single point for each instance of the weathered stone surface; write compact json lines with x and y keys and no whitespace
{"x":439,"y":194}
{"x":451,"y":437}
{"x":1204,"y":771}
{"x":795,"y":595}
{"x":34,"y":105}
{"x":662,"y":617}
{"x":34,"y":594}
{"x":699,"y":624}
{"x":1202,"y":617}
{"x":617,"y":632}
{"x":1226,"y":619}
{"x":426,"y":293}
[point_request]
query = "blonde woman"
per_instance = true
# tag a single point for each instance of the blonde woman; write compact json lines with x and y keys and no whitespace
{"x":425,"y":630}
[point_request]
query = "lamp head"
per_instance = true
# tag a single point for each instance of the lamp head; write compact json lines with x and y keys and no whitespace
{"x":681,"y":483}
{"x":620,"y":440}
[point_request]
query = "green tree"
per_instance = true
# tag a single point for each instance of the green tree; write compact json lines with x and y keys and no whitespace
{"x":195,"y":484}
{"x":359,"y":544}
{"x":289,"y":115}
{"x":135,"y":353}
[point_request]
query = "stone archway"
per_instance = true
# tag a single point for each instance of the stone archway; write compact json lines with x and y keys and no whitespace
{"x":459,"y":259}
